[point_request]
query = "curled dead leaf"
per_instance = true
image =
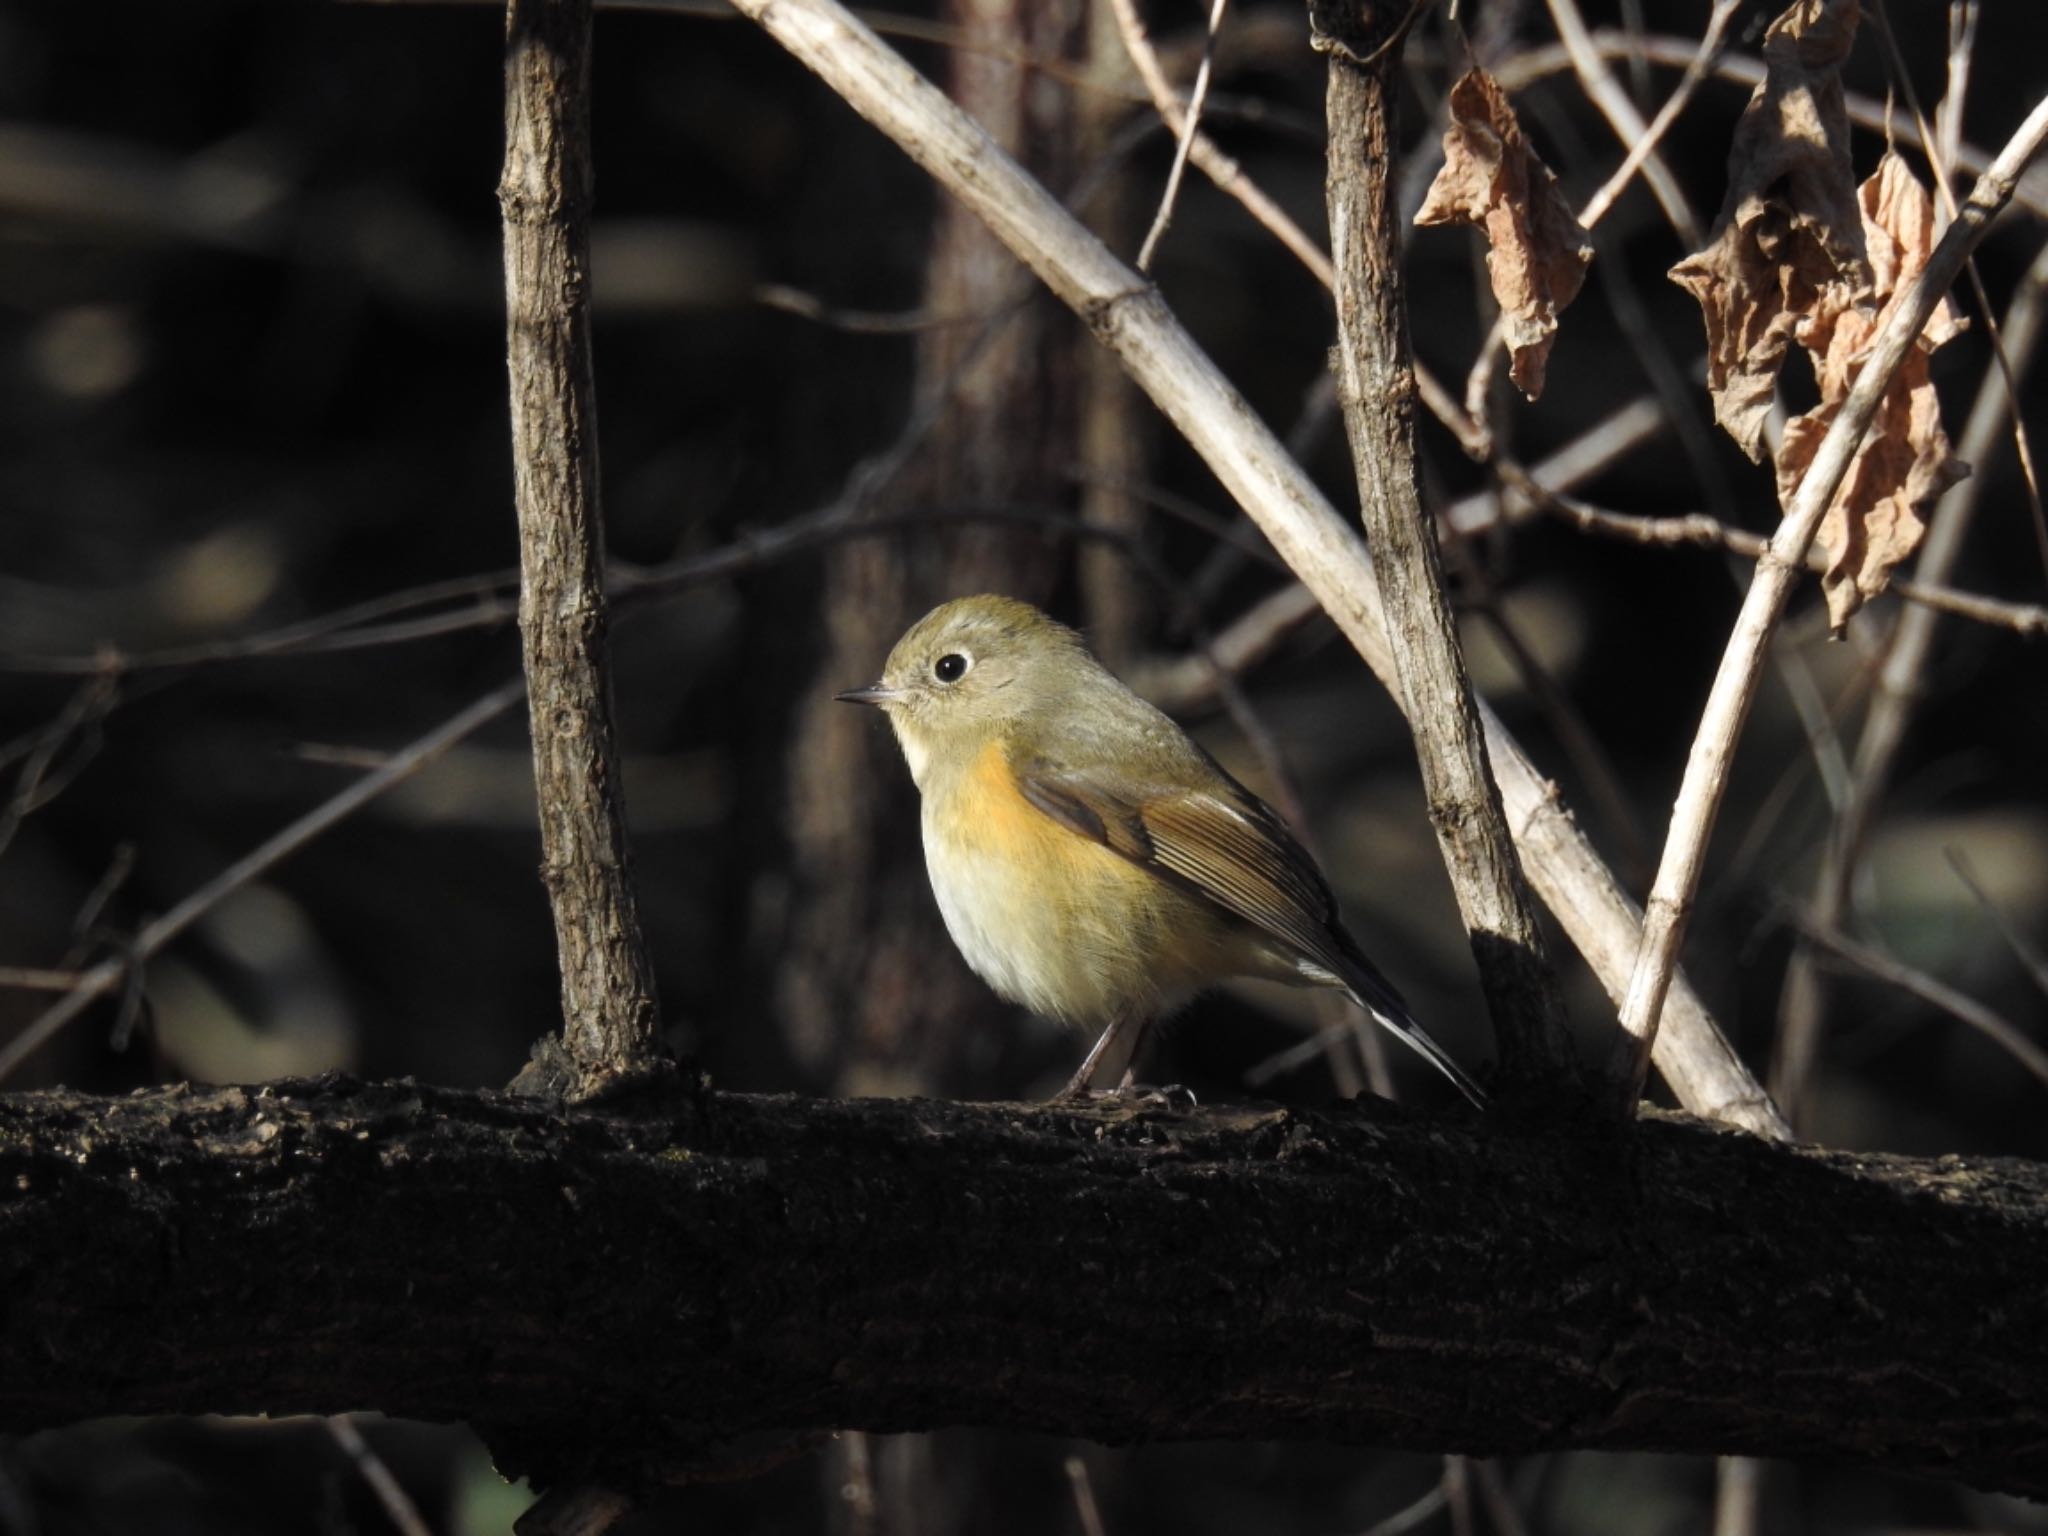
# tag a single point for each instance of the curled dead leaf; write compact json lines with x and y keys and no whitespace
{"x":1789,"y":238}
{"x":1904,"y":463}
{"x":1537,"y":249}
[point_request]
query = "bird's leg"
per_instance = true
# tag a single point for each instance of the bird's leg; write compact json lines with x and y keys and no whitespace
{"x":1138,"y":1039}
{"x":1121,"y":1025}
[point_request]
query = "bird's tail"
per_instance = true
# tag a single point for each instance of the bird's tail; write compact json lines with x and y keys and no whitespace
{"x":1376,"y":995}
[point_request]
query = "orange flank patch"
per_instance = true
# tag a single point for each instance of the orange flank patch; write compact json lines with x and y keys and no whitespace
{"x":1001,"y":825}
{"x":1050,"y":917}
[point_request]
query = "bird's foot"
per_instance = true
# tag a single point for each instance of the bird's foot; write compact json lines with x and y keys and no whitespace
{"x":1130,"y":1094}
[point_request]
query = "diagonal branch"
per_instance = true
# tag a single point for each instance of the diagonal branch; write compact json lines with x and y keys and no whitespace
{"x":1713,"y":749}
{"x":103,"y":978}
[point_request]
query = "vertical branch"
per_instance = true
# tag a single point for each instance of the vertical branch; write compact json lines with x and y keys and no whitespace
{"x":608,"y":1004}
{"x":1376,"y":384}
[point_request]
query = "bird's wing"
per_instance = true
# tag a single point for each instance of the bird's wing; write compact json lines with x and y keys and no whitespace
{"x":1219,"y":842}
{"x":1224,"y":844}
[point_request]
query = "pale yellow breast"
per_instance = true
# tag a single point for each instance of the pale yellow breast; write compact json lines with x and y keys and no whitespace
{"x":1052,"y":919}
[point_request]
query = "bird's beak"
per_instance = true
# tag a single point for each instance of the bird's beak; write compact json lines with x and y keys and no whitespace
{"x":874,"y":693}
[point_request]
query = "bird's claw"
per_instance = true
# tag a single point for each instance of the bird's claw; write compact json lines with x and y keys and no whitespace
{"x":1173,"y":1098}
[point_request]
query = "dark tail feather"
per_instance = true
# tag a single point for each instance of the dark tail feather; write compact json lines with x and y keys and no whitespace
{"x":1376,"y":995}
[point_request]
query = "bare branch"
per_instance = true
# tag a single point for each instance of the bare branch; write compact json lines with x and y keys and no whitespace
{"x":1220,"y":168}
{"x":1375,"y":374}
{"x":1184,"y":131}
{"x":1605,"y":92}
{"x":2029,"y":192}
{"x":1706,"y":770}
{"x":110,"y":974}
{"x":397,"y":1503}
{"x":1701,"y":531}
{"x":823,"y":1264}
{"x":609,"y":1015}
{"x":1957,"y":1005}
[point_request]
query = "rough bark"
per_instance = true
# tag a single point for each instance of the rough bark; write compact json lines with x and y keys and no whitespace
{"x":676,"y":1283}
{"x":1376,"y":384}
{"x":609,"y":1015}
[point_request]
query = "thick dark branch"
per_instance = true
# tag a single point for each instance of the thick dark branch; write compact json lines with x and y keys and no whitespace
{"x":619,"y":1297}
{"x":608,"y":1008}
{"x":1376,"y":385}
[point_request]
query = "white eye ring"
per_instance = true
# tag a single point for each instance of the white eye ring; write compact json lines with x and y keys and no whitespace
{"x":952,"y":666}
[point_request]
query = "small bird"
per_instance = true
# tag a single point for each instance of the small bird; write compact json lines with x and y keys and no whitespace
{"x":1091,"y":862}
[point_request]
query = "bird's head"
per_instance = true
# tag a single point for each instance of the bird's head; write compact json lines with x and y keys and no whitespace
{"x":967,"y":672}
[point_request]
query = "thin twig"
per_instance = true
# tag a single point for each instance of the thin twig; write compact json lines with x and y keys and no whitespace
{"x":2022,"y":444}
{"x":573,"y":1509}
{"x":1605,"y":92}
{"x":1184,"y":131}
{"x":1185,"y":683}
{"x":1297,"y":1055}
{"x":1591,"y":453}
{"x":1225,"y":172}
{"x":1816,"y":719}
{"x":860,"y":322}
{"x":1930,"y":990}
{"x":856,"y":1490}
{"x":30,"y":978}
{"x":1085,"y":1508}
{"x":1575,"y":737}
{"x":1802,"y":996}
{"x":397,"y":1503}
{"x":1948,"y":112}
{"x":1457,"y":1487}
{"x":1406,"y":1519}
{"x":1701,"y":531}
{"x":2024,"y":949}
{"x":258,"y":861}
{"x":1697,"y":69}
{"x":1532,"y":64}
{"x":1707,"y":767}
{"x":486,"y":600}
{"x":86,"y":920}
{"x":35,"y":786}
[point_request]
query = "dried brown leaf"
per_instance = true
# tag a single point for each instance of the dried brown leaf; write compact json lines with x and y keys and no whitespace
{"x":1789,"y":237}
{"x":1905,"y":462}
{"x":1537,"y":249}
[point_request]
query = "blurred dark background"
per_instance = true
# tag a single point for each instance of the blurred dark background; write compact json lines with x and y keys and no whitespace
{"x":251,"y":373}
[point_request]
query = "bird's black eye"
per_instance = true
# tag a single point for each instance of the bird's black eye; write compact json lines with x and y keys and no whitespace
{"x":950,"y":668}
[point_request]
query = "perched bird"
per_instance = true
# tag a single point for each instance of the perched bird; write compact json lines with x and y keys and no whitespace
{"x":1091,"y":862}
